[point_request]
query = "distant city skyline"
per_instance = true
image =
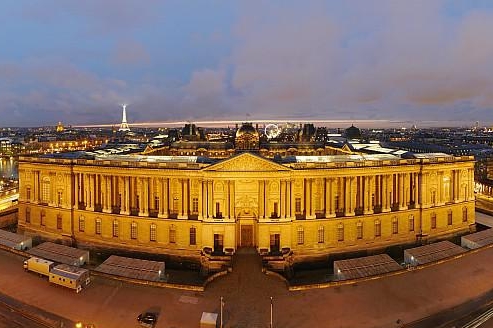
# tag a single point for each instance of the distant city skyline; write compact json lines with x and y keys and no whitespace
{"x":396,"y":63}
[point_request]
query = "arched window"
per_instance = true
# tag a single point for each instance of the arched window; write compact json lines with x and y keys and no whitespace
{"x":378,"y":228}
{"x":301,"y":235}
{"x":43,"y":217}
{"x":133,"y":230}
{"x":449,"y":217}
{"x":153,"y":232}
{"x":116,"y":228}
{"x":464,"y":214}
{"x":172,"y":234}
{"x":321,"y":234}
{"x":98,"y":226}
{"x":433,"y":219}
{"x":340,"y":232}
{"x":193,"y":236}
{"x":28,"y":215}
{"x":82,"y":224}
{"x":45,"y":190}
{"x":395,"y":226}
{"x":411,"y":222}
{"x":359,"y":230}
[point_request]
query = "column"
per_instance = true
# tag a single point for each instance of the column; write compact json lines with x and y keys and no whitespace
{"x":181,"y":199}
{"x":385,"y":193}
{"x":401,"y":190}
{"x":165,"y":197}
{"x":126,"y":196}
{"x":227,"y":205}
{"x":210,"y":210}
{"x":292,"y":201}
{"x":76,"y":191}
{"x":327,"y":197}
{"x":261,"y":199}
{"x":282,"y":210}
{"x":200,"y":200}
{"x":232,"y":212}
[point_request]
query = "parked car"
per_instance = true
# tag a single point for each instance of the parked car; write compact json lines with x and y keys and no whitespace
{"x":147,"y":319}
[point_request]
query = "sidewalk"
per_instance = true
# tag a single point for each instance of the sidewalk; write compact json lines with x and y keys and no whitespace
{"x":407,"y":297}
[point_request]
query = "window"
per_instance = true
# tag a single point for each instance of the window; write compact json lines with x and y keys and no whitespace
{"x":297,"y":205}
{"x":321,"y":235}
{"x":464,"y":214}
{"x":116,"y":229}
{"x":172,"y":234}
{"x":153,"y":232}
{"x":301,"y":236}
{"x":336,"y":201}
{"x":82,"y":224}
{"x":433,"y":221}
{"x":133,"y":230}
{"x":59,"y":198}
{"x":395,"y":226}
{"x":98,"y":226}
{"x":411,"y":223}
{"x":45,"y":190}
{"x":433,"y":197}
{"x":156,"y":202}
{"x":195,"y":205}
{"x":193,"y":236}
{"x":378,"y":228}
{"x":28,"y":193}
{"x":275,"y":209}
{"x":28,"y":215}
{"x":218,"y":210}
{"x":449,"y":218}
{"x":359,"y":230}
{"x":59,"y":222}
{"x":340,"y":232}
{"x":43,"y":217}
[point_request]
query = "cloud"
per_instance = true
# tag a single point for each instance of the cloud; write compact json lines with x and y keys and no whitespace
{"x":130,"y":52}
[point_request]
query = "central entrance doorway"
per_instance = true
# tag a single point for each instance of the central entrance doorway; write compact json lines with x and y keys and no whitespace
{"x":246,"y":235}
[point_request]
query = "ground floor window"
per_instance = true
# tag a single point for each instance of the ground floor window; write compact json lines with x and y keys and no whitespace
{"x":193,"y":236}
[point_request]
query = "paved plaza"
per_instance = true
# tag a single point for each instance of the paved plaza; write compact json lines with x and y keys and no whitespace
{"x":386,"y":302}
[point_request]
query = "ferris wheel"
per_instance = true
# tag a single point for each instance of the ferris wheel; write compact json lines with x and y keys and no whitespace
{"x":272,"y":131}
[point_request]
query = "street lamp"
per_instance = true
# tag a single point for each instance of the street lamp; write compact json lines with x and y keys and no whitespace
{"x":222,"y":303}
{"x":271,"y":308}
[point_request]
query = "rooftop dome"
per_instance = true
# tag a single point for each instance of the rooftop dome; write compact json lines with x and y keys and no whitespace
{"x":246,"y":128}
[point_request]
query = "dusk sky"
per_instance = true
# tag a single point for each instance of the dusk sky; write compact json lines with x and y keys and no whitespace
{"x":409,"y":61}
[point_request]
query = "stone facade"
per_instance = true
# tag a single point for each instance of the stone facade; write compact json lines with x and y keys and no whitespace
{"x":179,"y":207}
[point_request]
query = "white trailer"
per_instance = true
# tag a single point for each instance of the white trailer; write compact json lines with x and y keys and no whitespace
{"x":39,"y":265}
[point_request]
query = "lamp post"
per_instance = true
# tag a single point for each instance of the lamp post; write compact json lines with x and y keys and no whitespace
{"x":271,"y":308}
{"x":222,"y":303}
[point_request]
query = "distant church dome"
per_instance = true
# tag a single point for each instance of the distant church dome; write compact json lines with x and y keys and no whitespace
{"x":246,"y":128}
{"x":353,"y":132}
{"x":247,"y":138}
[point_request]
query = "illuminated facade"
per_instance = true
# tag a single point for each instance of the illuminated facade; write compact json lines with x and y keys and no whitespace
{"x":311,"y":205}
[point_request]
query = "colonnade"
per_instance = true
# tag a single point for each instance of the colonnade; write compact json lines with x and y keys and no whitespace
{"x":284,"y":196}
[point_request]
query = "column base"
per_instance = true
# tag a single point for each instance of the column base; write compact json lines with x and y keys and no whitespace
{"x":143,"y":214}
{"x":162,"y":216}
{"x":367,"y":212}
{"x":349,"y":214}
{"x":125,"y":212}
{"x":182,"y":217}
{"x":106,"y":211}
{"x":385,"y":210}
{"x":401,"y":208}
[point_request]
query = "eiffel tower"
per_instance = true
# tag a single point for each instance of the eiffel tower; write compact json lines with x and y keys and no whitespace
{"x":124,"y":125}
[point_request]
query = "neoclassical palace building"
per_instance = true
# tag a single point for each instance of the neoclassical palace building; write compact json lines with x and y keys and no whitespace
{"x":182,"y":205}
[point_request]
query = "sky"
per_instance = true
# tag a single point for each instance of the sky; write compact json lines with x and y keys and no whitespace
{"x":182,"y":60}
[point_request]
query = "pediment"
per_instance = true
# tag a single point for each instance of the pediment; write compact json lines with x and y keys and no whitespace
{"x":246,"y":162}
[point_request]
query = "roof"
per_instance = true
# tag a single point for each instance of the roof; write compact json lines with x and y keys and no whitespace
{"x":365,"y":266}
{"x":434,"y":252}
{"x":11,"y":239}
{"x":132,"y":268}
{"x":481,"y":238}
{"x":59,"y":253}
{"x":69,"y":271}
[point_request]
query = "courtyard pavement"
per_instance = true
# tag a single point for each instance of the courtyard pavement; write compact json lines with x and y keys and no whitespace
{"x":387,"y":302}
